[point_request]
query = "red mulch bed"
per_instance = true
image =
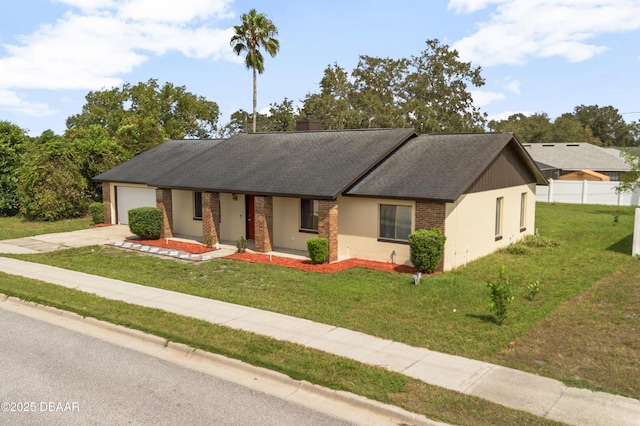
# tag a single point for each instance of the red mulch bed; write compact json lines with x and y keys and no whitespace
{"x":175,"y":245}
{"x":304,"y":265}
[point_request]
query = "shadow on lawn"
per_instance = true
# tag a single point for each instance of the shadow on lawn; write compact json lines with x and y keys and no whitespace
{"x":483,"y":317}
{"x":623,"y":246}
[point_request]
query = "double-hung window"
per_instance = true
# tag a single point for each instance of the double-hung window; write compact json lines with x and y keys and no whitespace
{"x":499,"y":208}
{"x":197,"y":205}
{"x":395,"y":222}
{"x":309,"y":215}
{"x":523,"y":211}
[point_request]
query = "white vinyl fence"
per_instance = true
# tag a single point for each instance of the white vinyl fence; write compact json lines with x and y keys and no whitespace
{"x":585,"y":192}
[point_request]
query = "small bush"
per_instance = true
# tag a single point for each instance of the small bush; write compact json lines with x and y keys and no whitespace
{"x":538,"y":241}
{"x":426,"y":247}
{"x":517,"y":249}
{"x":501,"y":297}
{"x":241,"y":244}
{"x":534,"y":289}
{"x":146,"y":222}
{"x":96,"y":210}
{"x":318,"y":249}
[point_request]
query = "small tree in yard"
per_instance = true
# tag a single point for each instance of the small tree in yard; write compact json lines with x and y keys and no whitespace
{"x":146,"y":222}
{"x":501,"y":297}
{"x":426,"y":249}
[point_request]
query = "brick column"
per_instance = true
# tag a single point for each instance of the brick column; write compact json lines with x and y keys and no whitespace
{"x":211,"y":216}
{"x":164,"y":202}
{"x":106,"y":201}
{"x":328,"y":225}
{"x":432,"y":215}
{"x":263,"y":217}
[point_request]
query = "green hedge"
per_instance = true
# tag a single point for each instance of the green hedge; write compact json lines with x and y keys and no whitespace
{"x":146,"y":222}
{"x":426,"y":249}
{"x":96,"y":210}
{"x":318,"y":249}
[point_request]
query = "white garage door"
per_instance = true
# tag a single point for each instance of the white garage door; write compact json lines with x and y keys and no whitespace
{"x":129,"y":197}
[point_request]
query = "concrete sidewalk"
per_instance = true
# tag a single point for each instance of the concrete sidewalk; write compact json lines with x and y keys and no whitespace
{"x":512,"y":388}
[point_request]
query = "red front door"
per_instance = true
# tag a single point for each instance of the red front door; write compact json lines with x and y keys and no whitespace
{"x":250,"y":210}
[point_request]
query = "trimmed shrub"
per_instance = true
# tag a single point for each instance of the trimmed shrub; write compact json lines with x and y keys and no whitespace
{"x":96,"y":210}
{"x":146,"y":222}
{"x":318,"y":249}
{"x":426,"y":249}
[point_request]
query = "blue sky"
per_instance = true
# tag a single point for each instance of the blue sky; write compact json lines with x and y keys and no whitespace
{"x":536,"y":55}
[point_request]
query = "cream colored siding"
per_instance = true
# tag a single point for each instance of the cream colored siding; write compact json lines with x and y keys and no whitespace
{"x":470,"y":223}
{"x":232,"y":218}
{"x":358,"y":224}
{"x":286,"y":225}
{"x":184,"y":225}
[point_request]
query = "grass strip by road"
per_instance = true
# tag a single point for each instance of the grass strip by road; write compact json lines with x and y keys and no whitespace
{"x":296,"y":361}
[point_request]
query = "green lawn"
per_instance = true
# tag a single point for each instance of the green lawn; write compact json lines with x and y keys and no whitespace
{"x":448,"y":312}
{"x":18,"y":226}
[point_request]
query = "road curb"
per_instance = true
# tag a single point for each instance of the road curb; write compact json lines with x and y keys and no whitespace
{"x":298,"y":391}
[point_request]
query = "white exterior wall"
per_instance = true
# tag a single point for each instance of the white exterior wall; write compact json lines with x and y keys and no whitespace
{"x":358,"y":227}
{"x":470,"y":224}
{"x":286,"y":225}
{"x":184,"y":224}
{"x":232,"y":218}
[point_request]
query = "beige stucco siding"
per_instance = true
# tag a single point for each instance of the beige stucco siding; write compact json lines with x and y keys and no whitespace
{"x":184,"y":225}
{"x":358,"y":225}
{"x":286,"y":225}
{"x":232,"y":218}
{"x":470,"y":224}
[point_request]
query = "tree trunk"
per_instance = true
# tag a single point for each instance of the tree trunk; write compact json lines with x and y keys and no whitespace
{"x":255,"y":97}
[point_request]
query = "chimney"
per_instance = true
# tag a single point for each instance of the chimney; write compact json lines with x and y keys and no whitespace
{"x":308,"y":124}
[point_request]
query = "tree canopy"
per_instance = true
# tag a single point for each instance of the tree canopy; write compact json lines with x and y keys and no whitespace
{"x":429,"y":92}
{"x":141,"y":116}
{"x":256,"y":32}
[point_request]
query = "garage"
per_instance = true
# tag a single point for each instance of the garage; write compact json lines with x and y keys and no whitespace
{"x":130,"y":197}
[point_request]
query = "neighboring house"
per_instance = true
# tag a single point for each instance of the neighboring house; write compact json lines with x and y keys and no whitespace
{"x":586,"y":175}
{"x":579,"y":157}
{"x":363,"y":190}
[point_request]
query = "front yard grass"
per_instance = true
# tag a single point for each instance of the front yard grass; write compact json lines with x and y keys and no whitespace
{"x":18,"y":227}
{"x":447,"y":312}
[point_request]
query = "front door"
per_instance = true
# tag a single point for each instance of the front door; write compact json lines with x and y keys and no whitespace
{"x":250,"y":212}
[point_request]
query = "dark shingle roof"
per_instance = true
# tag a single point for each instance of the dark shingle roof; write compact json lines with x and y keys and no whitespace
{"x":436,"y":167}
{"x":146,"y":166}
{"x":306,"y":164}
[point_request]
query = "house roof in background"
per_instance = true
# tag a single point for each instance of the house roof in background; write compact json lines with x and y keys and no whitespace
{"x":148,"y":165}
{"x":577,"y":156}
{"x":449,"y":163}
{"x":320,"y":164}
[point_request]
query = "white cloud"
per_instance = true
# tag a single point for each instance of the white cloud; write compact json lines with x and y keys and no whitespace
{"x":98,"y":41}
{"x":513,"y":86}
{"x":11,"y":101}
{"x":520,"y":29}
{"x":483,"y":98}
{"x":506,"y":114}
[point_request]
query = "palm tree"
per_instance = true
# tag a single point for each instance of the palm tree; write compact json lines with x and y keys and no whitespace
{"x":255,"y":32}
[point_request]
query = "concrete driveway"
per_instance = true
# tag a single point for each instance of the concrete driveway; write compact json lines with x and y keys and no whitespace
{"x":64,"y":240}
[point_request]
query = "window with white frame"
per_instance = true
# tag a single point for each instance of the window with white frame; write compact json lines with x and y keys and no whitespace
{"x":523,"y":211}
{"x":395,"y":222}
{"x":499,"y":209}
{"x":309,"y":215}
{"x":197,"y":205}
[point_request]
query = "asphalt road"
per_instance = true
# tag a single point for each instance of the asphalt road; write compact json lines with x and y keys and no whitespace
{"x":52,"y":375}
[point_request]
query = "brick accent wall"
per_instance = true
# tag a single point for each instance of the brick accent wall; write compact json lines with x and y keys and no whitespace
{"x":328,"y":225}
{"x":164,"y":202}
{"x":211,"y":216}
{"x":263,"y":217}
{"x":106,"y":200}
{"x":431,"y":215}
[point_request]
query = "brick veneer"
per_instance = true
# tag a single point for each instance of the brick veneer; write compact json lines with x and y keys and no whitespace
{"x":164,"y":202}
{"x":328,"y":225}
{"x":211,"y":216}
{"x":263,"y":216}
{"x":106,"y":201}
{"x":431,"y":215}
